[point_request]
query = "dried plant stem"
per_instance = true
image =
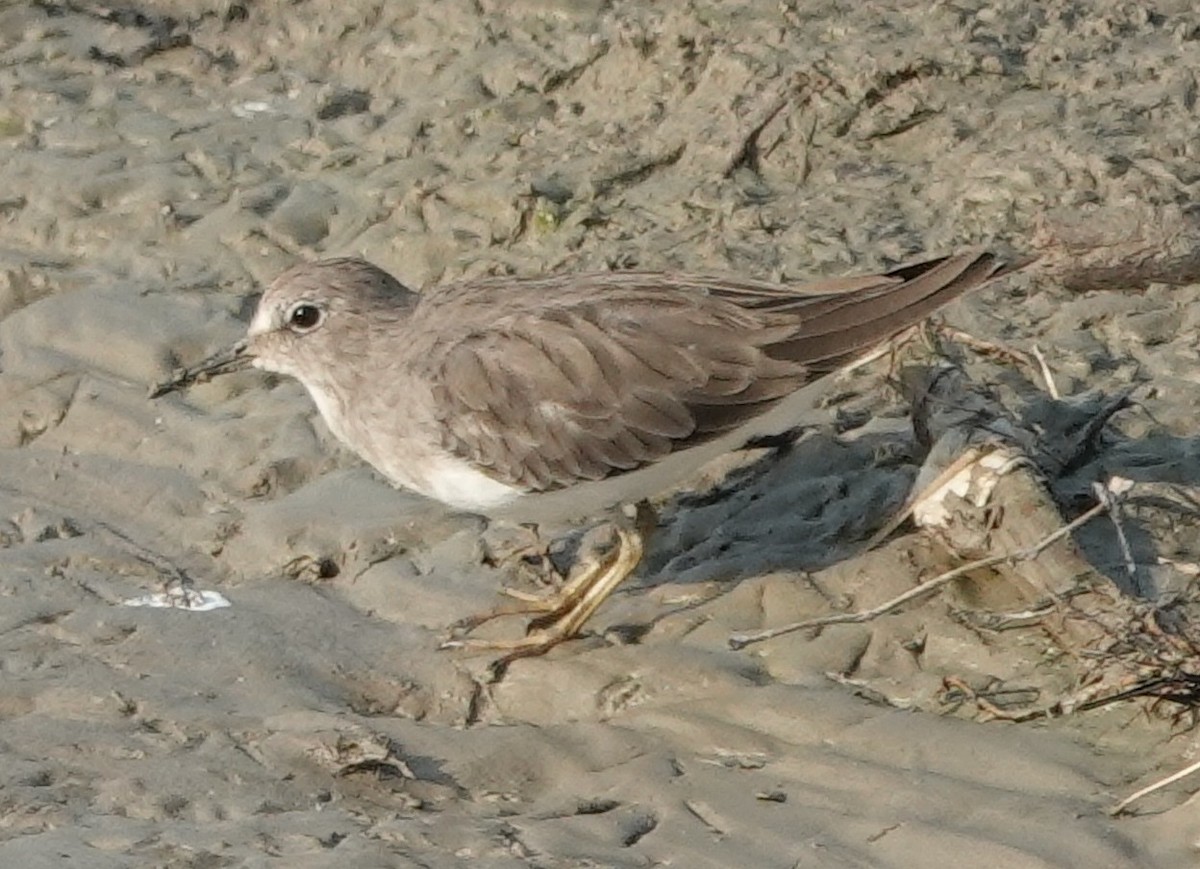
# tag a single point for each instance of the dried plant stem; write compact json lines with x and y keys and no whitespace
{"x":740,"y":641}
{"x":1149,"y":789}
{"x":1047,"y":375}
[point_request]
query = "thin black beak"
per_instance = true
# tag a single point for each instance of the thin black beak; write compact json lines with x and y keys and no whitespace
{"x":230,"y":359}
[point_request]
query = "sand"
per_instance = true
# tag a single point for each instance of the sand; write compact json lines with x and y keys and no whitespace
{"x":162,"y":160}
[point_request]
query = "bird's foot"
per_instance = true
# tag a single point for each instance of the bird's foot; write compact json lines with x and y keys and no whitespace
{"x":561,"y":614}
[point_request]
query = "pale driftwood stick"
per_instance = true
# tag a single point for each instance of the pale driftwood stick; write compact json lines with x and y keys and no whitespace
{"x":1149,"y":789}
{"x":994,"y":510}
{"x":1019,"y":513}
{"x":1051,"y":386}
{"x":740,"y":641}
{"x":968,"y":458}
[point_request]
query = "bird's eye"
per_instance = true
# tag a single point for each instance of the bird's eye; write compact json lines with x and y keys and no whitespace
{"x":304,"y":317}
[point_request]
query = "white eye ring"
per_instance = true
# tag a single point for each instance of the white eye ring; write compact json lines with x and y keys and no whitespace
{"x":304,"y":317}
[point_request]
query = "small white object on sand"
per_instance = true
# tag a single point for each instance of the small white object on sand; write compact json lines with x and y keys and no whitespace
{"x":195,"y":601}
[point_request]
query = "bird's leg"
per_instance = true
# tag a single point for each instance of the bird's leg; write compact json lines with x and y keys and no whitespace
{"x":520,"y":550}
{"x":596,"y":550}
{"x":562,"y":614}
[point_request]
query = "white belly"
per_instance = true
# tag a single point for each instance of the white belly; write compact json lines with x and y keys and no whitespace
{"x":414,"y":465}
{"x":454,"y":482}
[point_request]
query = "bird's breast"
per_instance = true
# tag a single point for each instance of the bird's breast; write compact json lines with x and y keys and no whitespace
{"x":390,"y":437}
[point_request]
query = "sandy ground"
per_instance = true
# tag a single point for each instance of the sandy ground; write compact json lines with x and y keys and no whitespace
{"x":161,"y":160}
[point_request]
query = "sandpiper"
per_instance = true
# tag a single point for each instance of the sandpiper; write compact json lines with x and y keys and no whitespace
{"x":564,"y":396}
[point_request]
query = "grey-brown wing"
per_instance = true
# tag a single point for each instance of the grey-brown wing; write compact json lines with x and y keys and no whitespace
{"x":563,"y":396}
{"x":585,"y":390}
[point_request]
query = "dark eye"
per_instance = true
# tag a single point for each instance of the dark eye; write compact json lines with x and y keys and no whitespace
{"x":304,"y":317}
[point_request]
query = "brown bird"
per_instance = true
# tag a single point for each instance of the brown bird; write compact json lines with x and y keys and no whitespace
{"x":562,"y":396}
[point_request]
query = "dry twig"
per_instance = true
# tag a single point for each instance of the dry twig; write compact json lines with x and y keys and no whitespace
{"x":1051,"y":386}
{"x":740,"y":641}
{"x":1120,"y":807}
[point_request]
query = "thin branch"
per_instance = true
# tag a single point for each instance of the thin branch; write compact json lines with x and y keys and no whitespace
{"x":740,"y":641}
{"x":1047,"y":376}
{"x":1149,"y":789}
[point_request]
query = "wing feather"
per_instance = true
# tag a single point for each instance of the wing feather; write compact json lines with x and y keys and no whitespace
{"x":587,"y":380}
